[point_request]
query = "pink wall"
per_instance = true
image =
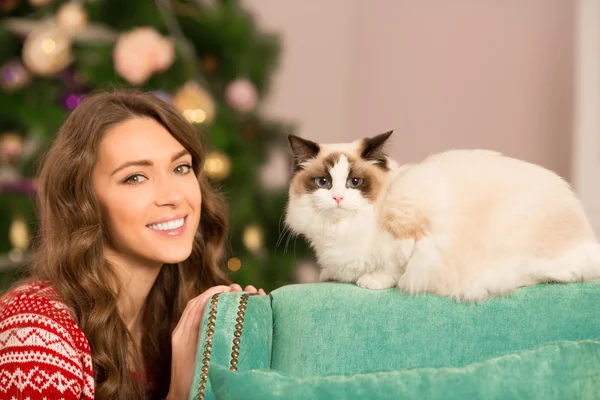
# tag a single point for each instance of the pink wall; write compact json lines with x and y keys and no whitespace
{"x":462,"y":74}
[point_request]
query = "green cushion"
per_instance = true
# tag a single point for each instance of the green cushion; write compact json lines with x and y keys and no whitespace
{"x":566,"y":370}
{"x":333,"y":328}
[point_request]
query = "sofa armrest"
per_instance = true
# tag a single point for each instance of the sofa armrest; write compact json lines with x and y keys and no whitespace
{"x":236,"y":332}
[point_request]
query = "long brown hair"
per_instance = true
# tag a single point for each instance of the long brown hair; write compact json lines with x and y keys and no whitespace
{"x":71,"y":239}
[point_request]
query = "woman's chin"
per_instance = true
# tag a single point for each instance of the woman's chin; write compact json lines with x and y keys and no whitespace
{"x":174,"y":256}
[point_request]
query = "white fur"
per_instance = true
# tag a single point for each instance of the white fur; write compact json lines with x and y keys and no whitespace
{"x":496,"y":224}
{"x":347,"y":241}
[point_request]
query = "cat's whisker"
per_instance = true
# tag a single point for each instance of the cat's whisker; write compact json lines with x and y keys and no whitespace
{"x":281,"y":237}
{"x":289,"y":234}
{"x":281,"y":232}
{"x":295,"y":241}
{"x":287,"y":242}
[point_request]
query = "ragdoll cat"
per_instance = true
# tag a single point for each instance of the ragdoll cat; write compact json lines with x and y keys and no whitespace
{"x":466,"y":224}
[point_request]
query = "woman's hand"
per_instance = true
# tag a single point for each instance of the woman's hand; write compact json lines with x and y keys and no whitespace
{"x":184,"y":340}
{"x":251,"y":289}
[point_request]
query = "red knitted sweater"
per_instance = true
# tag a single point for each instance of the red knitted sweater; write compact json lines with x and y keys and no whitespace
{"x":43,"y":352}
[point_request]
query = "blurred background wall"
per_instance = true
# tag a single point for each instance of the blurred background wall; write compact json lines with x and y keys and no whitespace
{"x":442,"y":74}
{"x":520,"y":77}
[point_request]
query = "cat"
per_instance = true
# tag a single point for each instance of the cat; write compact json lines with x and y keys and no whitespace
{"x":465,"y":224}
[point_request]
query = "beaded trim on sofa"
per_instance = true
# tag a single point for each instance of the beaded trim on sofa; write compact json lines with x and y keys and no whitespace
{"x":210,"y":331}
{"x":237,"y":334}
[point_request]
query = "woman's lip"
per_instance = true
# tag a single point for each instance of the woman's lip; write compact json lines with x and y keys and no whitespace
{"x":169,"y":218}
{"x":172,"y":232}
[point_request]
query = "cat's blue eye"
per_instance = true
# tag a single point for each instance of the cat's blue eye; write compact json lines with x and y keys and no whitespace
{"x":322,"y":182}
{"x":354,"y":182}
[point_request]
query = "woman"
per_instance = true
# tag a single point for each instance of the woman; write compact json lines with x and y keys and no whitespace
{"x":130,"y":233}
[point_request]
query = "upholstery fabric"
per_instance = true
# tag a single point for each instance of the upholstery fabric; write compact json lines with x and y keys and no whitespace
{"x":303,"y":333}
{"x":255,"y":342}
{"x":569,"y":370}
{"x":333,"y":328}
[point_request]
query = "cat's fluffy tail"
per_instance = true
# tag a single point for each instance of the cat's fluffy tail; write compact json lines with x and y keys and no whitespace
{"x":582,"y":263}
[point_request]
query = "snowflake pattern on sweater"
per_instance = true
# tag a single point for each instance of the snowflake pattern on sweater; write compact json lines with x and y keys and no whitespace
{"x":43,"y":352}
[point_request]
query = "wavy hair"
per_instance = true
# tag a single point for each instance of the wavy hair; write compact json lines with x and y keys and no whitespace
{"x":71,"y":238}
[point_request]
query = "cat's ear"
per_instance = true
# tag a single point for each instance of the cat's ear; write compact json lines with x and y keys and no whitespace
{"x":373,"y":149}
{"x":303,"y":150}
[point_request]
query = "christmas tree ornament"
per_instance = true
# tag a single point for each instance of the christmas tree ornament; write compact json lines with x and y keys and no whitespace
{"x":234,"y":264}
{"x":39,"y":3}
{"x":241,"y":95}
{"x":12,"y":182}
{"x":11,"y":147}
{"x":307,"y":272}
{"x":217,"y":165}
{"x":9,"y":176}
{"x":71,"y":16}
{"x":31,"y":145}
{"x":72,"y":98}
{"x":71,"y":79}
{"x":7,"y":6}
{"x":164,"y":96}
{"x":140,"y":53}
{"x":250,"y":129}
{"x":275,"y":173}
{"x":47,"y":51}
{"x":195,"y":103}
{"x":14,"y":76}
{"x":209,"y":64}
{"x":15,"y":255}
{"x":253,"y":237}
{"x":19,"y":234}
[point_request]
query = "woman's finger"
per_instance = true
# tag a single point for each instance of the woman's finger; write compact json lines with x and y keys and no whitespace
{"x":235,"y":287}
{"x":185,"y":316}
{"x":189,"y":311}
{"x":260,"y":291}
{"x":250,"y":289}
{"x":192,"y":313}
{"x":205,"y":297}
{"x":194,"y":318}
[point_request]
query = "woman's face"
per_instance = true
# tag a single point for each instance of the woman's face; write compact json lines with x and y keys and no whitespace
{"x":148,"y":192}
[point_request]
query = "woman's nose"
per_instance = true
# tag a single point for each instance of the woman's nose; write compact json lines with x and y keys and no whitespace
{"x":168,"y":192}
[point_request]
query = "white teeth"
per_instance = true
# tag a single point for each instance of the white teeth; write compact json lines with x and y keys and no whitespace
{"x":167,"y":226}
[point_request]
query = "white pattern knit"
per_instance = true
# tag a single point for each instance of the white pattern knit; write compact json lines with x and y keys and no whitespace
{"x":43,"y":352}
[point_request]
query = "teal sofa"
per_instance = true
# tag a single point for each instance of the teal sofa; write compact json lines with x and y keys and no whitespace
{"x":339,"y":341}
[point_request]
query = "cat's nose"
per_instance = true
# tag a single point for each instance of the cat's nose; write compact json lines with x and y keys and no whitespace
{"x":338,"y":199}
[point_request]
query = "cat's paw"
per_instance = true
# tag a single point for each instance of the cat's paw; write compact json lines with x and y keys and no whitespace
{"x":375,"y":282}
{"x":412,"y":286}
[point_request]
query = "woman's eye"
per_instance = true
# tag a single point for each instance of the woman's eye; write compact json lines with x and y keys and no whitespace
{"x":183,"y":169}
{"x":322,"y":182}
{"x":134,"y":179}
{"x":354,"y":182}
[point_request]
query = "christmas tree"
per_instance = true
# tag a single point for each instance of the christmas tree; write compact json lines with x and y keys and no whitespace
{"x":208,"y":58}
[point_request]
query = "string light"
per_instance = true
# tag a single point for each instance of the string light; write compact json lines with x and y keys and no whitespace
{"x":234,"y":264}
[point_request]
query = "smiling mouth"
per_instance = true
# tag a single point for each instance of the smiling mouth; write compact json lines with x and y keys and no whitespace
{"x":169,"y":226}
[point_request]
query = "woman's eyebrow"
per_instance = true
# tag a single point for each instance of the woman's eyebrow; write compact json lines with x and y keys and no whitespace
{"x":146,"y":163}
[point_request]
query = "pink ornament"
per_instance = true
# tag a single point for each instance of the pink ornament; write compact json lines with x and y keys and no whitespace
{"x":140,"y":53}
{"x":72,"y":99}
{"x":11,"y":147}
{"x":39,"y":3}
{"x":13,"y":75}
{"x":274,"y":174}
{"x":241,"y":95}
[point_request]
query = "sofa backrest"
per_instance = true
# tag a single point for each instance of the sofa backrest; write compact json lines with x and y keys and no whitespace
{"x":335,"y":328}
